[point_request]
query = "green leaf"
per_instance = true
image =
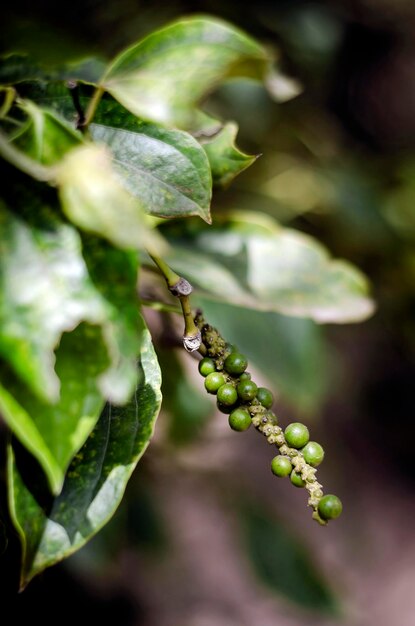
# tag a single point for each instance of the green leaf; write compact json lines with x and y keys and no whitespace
{"x":163,"y":77}
{"x":114,"y":275}
{"x":95,"y":482}
{"x":283,"y":564}
{"x":7,"y":96}
{"x":278,"y":269}
{"x":91,"y":194}
{"x":226,"y":160}
{"x":166,"y":170}
{"x":55,"y":432}
{"x":93,"y":199}
{"x":18,"y":68}
{"x":47,"y":289}
{"x":291,"y":353}
{"x":45,"y":137}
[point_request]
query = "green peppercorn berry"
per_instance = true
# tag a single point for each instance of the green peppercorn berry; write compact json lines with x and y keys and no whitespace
{"x":240,"y":420}
{"x":296,"y":479}
{"x":236,"y":363}
{"x":231,"y":347}
{"x":313,"y":453}
{"x":246,"y":390}
{"x":227,"y":395}
{"x":245,"y":376}
{"x":281,"y":466}
{"x":330,"y":507}
{"x":296,"y":435}
{"x":265,"y":397}
{"x":206,"y":366}
{"x":214,"y":381}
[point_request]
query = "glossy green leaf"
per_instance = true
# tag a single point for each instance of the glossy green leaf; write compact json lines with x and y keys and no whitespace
{"x":278,"y":269}
{"x":291,"y":353}
{"x":226,"y":160}
{"x":114,"y":275}
{"x":55,"y":432}
{"x":46,"y":290}
{"x":166,"y":170}
{"x":93,"y":198}
{"x":91,"y":194}
{"x":283,"y":564}
{"x":51,"y":530}
{"x":163,"y":77}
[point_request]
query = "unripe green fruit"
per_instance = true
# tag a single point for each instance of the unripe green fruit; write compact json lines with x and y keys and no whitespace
{"x":247,"y":390}
{"x":236,"y":363}
{"x":296,"y":479}
{"x":281,"y":466}
{"x":265,"y":397}
{"x":227,"y":395}
{"x":214,"y":381}
{"x":231,"y":347}
{"x":206,"y":366}
{"x":313,"y":453}
{"x":330,"y":507}
{"x":245,"y":376}
{"x":240,"y":420}
{"x":296,"y":435}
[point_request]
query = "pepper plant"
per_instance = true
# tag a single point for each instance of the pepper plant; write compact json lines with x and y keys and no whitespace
{"x":96,"y":161}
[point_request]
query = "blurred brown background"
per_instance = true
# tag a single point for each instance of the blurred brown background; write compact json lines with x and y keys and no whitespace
{"x":206,"y":536}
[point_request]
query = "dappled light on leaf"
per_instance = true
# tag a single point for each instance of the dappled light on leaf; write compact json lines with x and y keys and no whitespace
{"x":93,"y":198}
{"x":278,"y":269}
{"x":166,"y":171}
{"x":155,"y":80}
{"x":95,"y":481}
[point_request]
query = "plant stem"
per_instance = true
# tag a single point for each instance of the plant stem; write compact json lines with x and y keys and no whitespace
{"x":264,"y":420}
{"x":171,"y":277}
{"x":156,"y":305}
{"x":91,"y":108}
{"x":181,"y":288}
{"x":190,"y":329}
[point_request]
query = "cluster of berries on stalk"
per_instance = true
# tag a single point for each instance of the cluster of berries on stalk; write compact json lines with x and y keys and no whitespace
{"x":224,"y":370}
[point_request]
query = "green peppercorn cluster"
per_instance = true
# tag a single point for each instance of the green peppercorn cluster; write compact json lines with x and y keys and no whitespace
{"x":224,"y":369}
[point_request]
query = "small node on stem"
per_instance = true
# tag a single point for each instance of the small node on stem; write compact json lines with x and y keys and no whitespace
{"x":181,"y":288}
{"x":192,"y":342}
